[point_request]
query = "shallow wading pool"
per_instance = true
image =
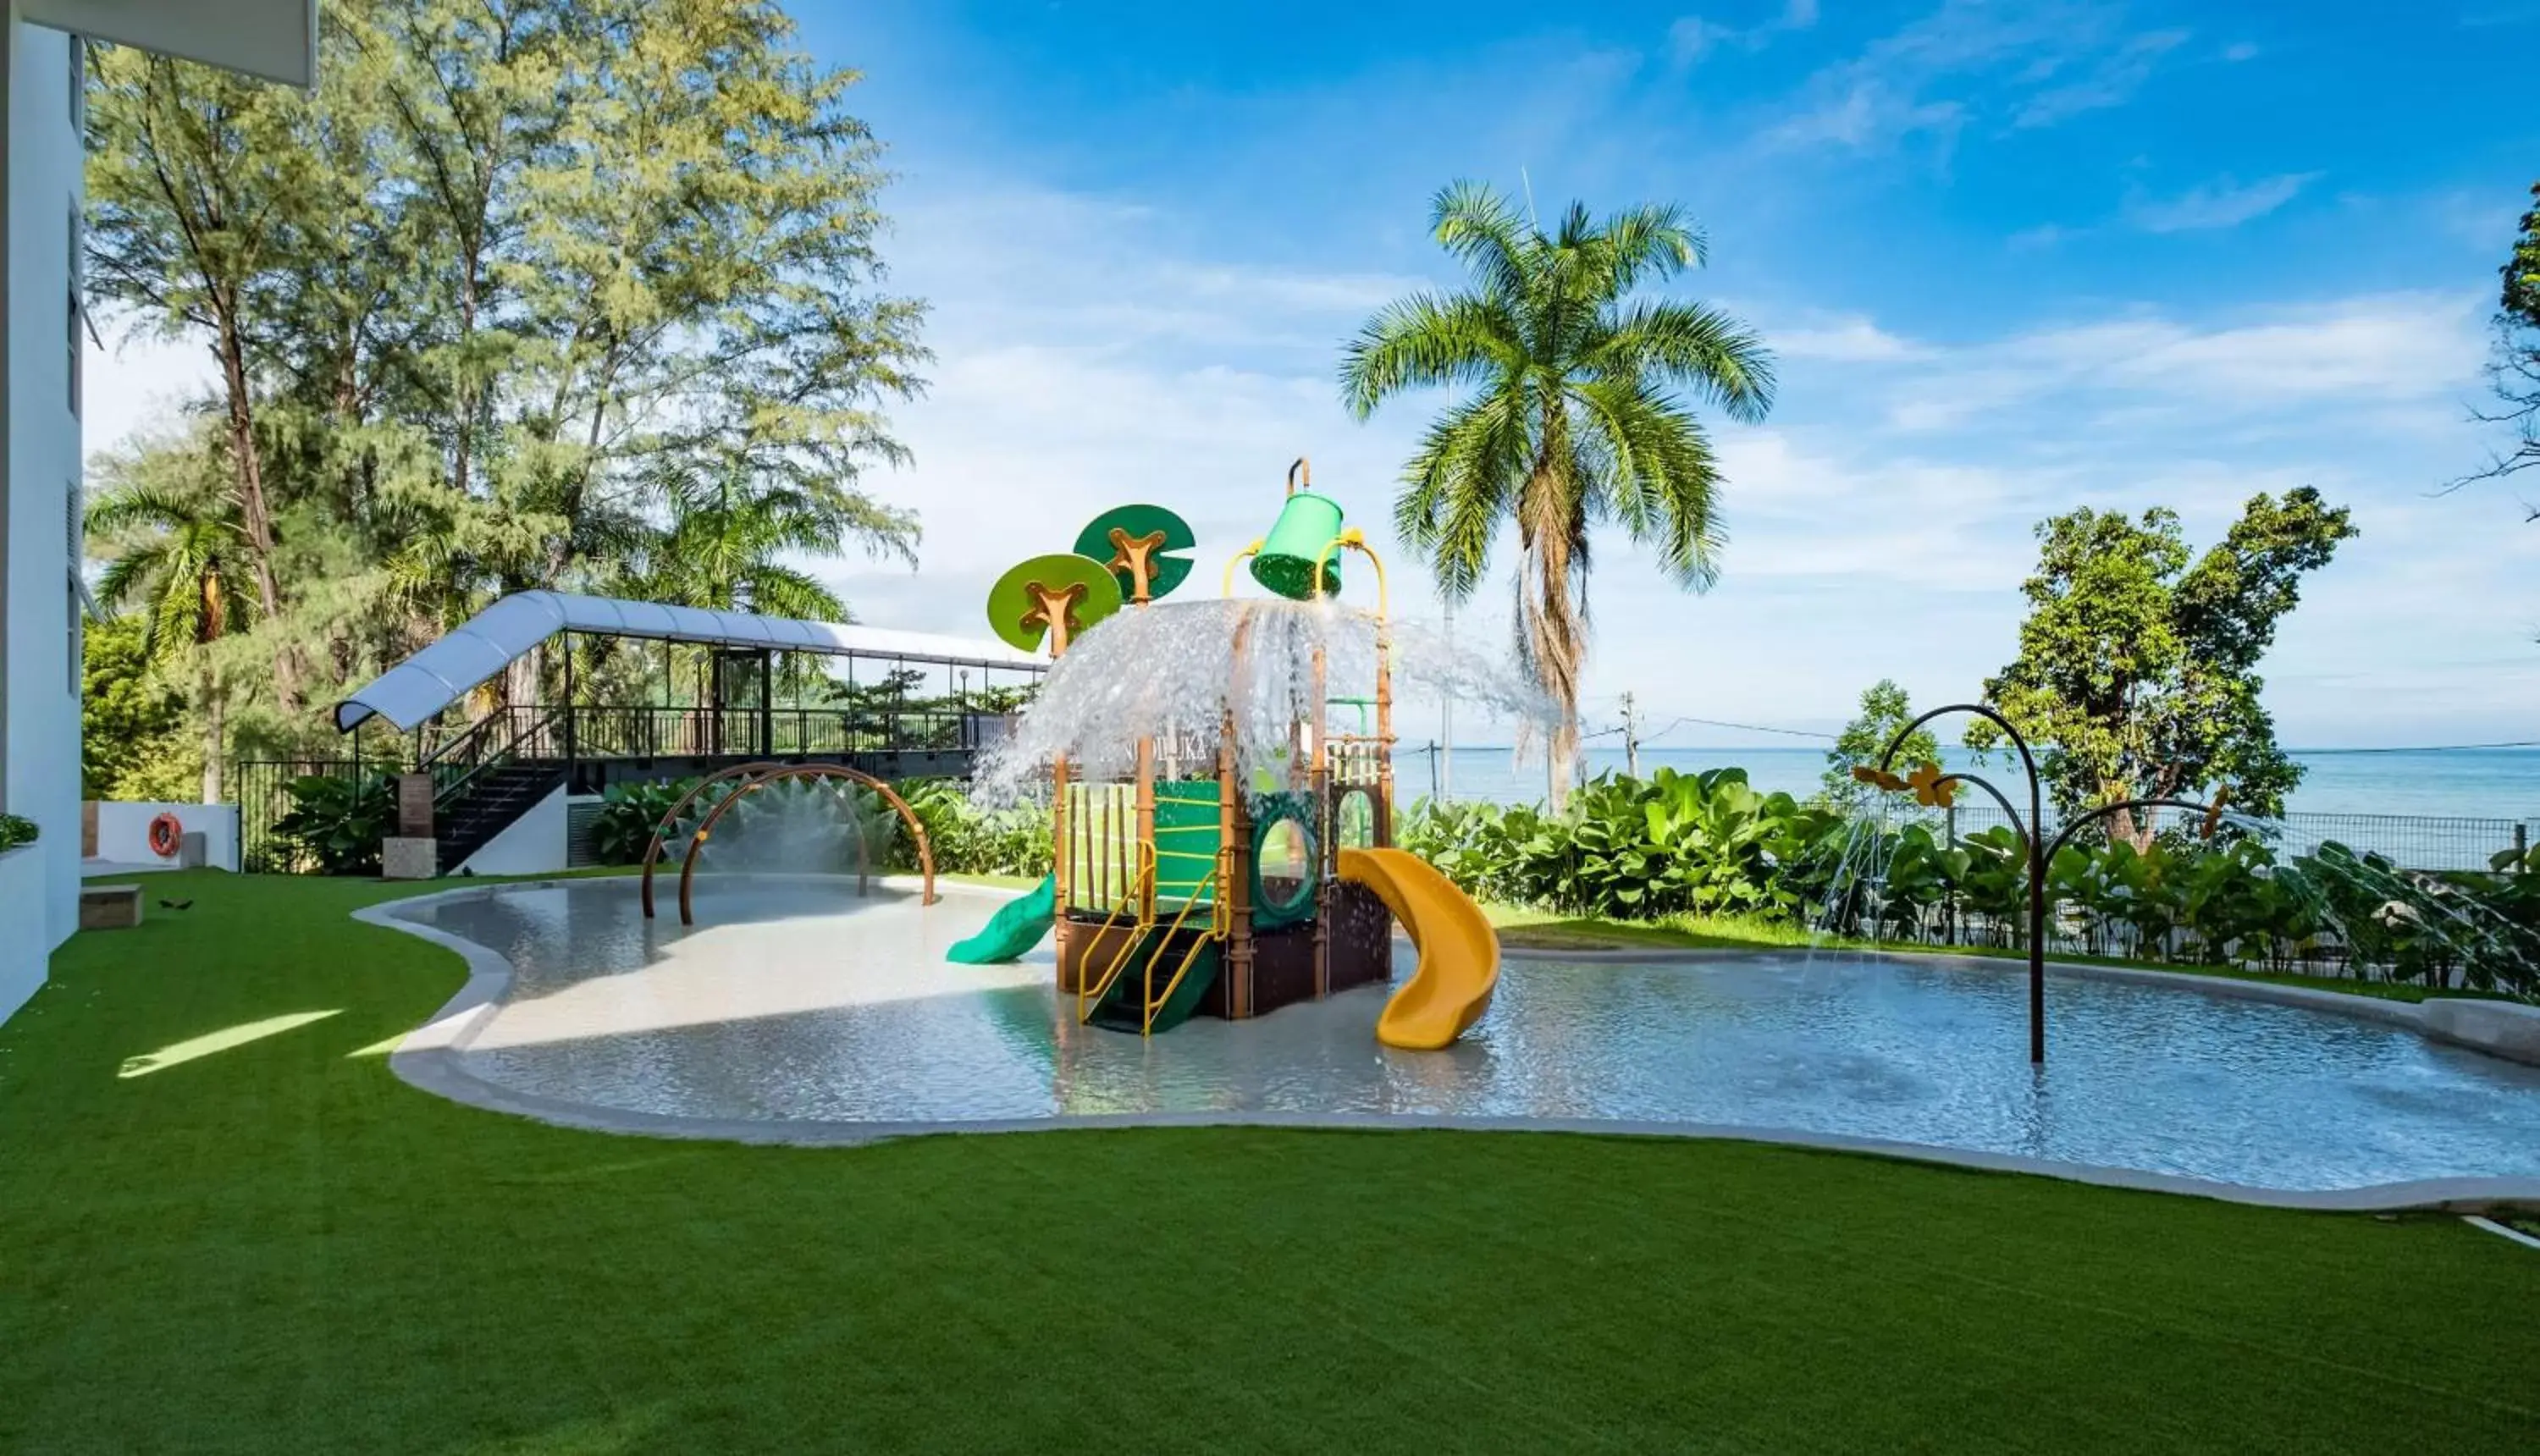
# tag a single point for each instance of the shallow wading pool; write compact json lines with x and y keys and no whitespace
{"x":797,"y":1004}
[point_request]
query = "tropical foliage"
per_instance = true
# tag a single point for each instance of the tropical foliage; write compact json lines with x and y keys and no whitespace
{"x":964,"y":838}
{"x":337,"y":823}
{"x":133,"y":743}
{"x":1885,"y":709}
{"x":1709,"y":844}
{"x":2514,"y":367}
{"x":1575,"y":417}
{"x":2137,"y":675}
{"x":573,"y":294}
{"x":16,"y":830}
{"x":622,"y":829}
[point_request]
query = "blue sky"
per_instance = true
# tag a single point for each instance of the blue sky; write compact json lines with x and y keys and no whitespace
{"x":2013,"y":258}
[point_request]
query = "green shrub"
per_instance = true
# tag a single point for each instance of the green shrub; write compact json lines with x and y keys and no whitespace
{"x":623,"y":827}
{"x":1710,"y":844}
{"x":337,"y":823}
{"x":16,"y":830}
{"x":969,"y":840}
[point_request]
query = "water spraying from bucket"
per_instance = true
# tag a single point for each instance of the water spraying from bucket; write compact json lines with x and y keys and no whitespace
{"x":1180,"y":672}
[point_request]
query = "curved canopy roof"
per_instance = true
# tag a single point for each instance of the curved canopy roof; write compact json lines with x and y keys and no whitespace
{"x":509,"y":630}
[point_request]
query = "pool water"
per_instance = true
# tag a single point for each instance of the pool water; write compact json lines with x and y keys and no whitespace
{"x":799,"y":1002}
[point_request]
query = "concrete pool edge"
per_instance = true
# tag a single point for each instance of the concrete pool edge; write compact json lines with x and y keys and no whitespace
{"x":428,"y":1059}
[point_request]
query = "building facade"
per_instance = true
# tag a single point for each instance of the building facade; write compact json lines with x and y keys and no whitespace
{"x":40,"y":597}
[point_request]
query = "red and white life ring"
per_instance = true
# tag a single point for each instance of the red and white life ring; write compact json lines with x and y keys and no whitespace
{"x":166,"y":836}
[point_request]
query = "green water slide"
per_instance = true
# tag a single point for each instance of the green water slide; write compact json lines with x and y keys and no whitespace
{"x":1014,"y":931}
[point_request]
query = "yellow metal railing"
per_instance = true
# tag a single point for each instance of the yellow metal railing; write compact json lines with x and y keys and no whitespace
{"x":1089,"y":994}
{"x":1218,"y":922}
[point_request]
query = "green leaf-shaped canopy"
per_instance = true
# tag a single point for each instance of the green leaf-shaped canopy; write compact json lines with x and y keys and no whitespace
{"x":1124,"y":531}
{"x":1016,"y":604}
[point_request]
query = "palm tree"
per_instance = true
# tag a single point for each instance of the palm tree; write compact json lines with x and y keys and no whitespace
{"x":181,"y":556}
{"x":723,"y":545}
{"x":1576,"y":419}
{"x":728,"y":530}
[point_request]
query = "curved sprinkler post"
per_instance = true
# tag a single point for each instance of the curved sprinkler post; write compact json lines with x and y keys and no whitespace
{"x":653,"y":850}
{"x":1933,"y":789}
{"x":916,"y":827}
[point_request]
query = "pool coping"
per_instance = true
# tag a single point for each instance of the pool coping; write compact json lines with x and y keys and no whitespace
{"x":428,"y":1059}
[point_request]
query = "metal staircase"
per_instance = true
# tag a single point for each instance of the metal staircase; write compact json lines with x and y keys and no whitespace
{"x":489,"y":776}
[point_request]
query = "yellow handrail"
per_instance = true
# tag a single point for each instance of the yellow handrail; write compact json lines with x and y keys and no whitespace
{"x":1216,"y":923}
{"x":1090,"y":995}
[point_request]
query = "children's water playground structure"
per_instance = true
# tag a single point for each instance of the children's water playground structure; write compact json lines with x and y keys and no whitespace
{"x":1219,"y":850}
{"x":1216,"y":768}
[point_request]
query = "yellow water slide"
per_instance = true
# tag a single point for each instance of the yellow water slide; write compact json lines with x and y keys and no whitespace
{"x":1460,"y":953}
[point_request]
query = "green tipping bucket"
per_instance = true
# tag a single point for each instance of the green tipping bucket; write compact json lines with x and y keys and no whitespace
{"x":1308,"y":523}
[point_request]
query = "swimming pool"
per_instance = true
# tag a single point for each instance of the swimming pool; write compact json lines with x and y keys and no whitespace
{"x":795,"y":1006}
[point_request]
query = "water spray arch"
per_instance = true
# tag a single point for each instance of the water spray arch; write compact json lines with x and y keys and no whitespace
{"x":670,"y":816}
{"x":798,"y":773}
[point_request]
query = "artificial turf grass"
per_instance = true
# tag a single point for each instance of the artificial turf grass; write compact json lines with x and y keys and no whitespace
{"x":280,"y":1247}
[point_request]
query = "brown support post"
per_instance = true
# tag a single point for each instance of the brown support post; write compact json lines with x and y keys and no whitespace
{"x":1146,"y":830}
{"x":1052,"y":610}
{"x":1318,"y":792}
{"x":1383,"y":829}
{"x":1234,"y":876}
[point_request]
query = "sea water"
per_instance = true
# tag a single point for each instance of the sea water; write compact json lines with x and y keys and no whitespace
{"x":2479,"y":784}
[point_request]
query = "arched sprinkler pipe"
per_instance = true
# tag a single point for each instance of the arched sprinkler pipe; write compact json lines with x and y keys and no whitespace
{"x":916,"y":827}
{"x":1933,"y":789}
{"x":671,"y":817}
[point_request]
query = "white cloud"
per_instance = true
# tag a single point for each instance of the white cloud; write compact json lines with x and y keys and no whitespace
{"x":2032,"y":65}
{"x":1693,"y":37}
{"x":2375,"y":354}
{"x":2044,"y":235}
{"x":1848,"y":341}
{"x":2220,"y":203}
{"x":2112,"y":80}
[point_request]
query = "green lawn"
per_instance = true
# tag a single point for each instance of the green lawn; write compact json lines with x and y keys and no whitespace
{"x":279,"y":1247}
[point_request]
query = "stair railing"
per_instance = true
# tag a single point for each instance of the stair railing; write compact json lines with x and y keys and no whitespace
{"x":1218,"y":922}
{"x":1089,"y":994}
{"x":489,"y":744}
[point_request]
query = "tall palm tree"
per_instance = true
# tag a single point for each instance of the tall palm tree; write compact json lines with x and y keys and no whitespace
{"x":724,"y":544}
{"x":180,"y":554}
{"x":728,"y":531}
{"x":1577,"y":415}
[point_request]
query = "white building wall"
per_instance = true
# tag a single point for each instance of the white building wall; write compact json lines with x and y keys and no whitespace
{"x":535,"y":843}
{"x":124,"y":832}
{"x":40,"y":700}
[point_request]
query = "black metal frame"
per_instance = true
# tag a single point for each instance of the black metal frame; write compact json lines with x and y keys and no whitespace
{"x":2039,"y":856}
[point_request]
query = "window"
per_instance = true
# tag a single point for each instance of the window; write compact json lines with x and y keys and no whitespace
{"x":79,"y":84}
{"x":79,"y":606}
{"x":75,"y":312}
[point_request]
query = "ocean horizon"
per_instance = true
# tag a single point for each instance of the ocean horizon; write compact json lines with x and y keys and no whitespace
{"x":2472,"y":784}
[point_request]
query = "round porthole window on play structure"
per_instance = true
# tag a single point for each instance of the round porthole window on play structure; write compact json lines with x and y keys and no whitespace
{"x":1283,"y":862}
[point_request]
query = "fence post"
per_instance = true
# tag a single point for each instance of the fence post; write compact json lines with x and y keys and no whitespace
{"x":2521,"y":843}
{"x":1952,"y":841}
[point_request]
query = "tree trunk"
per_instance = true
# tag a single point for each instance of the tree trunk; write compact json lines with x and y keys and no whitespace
{"x":215,"y":715}
{"x":1554,"y":637}
{"x":255,"y":518}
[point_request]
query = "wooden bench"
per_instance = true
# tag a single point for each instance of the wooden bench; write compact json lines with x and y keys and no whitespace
{"x":110,"y":907}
